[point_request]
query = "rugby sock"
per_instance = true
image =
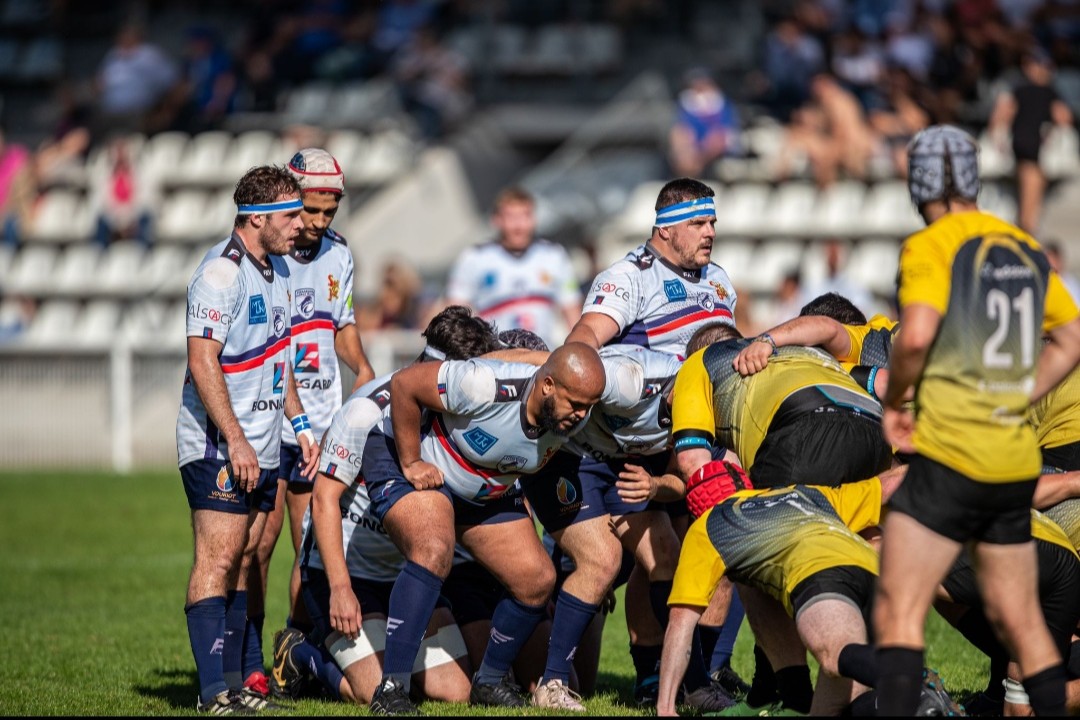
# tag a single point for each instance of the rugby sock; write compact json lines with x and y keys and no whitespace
{"x":697,"y":676}
{"x":511,"y":625}
{"x":659,"y":592}
{"x":709,"y":635}
{"x":729,"y":632}
{"x":253,"y":650}
{"x":900,"y":678}
{"x":763,"y":687}
{"x":1046,"y":690}
{"x":320,"y":663}
{"x":858,"y":662}
{"x":1074,"y":660}
{"x":411,"y":603}
{"x":646,"y":660}
{"x":863,"y":706}
{"x":206,"y":632}
{"x":999,"y":670}
{"x":572,"y":617}
{"x":235,"y":625}
{"x":796,"y":690}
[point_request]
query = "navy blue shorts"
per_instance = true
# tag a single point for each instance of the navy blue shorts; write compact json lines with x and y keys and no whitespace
{"x":572,"y":489}
{"x":386,"y":485}
{"x":209,"y":485}
{"x":292,"y":464}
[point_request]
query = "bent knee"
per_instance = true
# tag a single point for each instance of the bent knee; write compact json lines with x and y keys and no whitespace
{"x":535,"y":584}
{"x":434,"y":554}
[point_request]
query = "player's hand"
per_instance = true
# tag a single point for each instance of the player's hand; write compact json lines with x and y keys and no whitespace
{"x":423,"y":475}
{"x":753,"y":358}
{"x":635,"y":485}
{"x":899,"y":427}
{"x":345,"y":616}
{"x":310,"y":452}
{"x":245,"y":464}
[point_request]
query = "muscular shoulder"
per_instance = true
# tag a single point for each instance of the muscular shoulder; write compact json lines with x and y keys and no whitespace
{"x":220,"y":273}
{"x":476,"y":380}
{"x":625,"y":380}
{"x":361,"y":412}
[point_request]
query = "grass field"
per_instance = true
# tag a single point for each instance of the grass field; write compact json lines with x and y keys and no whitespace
{"x":93,"y":570}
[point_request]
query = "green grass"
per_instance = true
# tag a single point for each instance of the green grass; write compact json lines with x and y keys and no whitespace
{"x":93,"y":571}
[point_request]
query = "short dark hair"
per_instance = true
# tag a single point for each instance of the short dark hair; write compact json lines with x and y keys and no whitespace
{"x":681,"y":190}
{"x":513,"y":194}
{"x":522,"y":339}
{"x":461,"y":335}
{"x":263,"y":184}
{"x":836,"y":306}
{"x":709,"y":334}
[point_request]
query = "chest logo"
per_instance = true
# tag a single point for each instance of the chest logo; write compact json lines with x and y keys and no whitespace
{"x":479,"y":440}
{"x":721,"y":291}
{"x":280,"y":324}
{"x":674,"y":290}
{"x":256,"y":310}
{"x":305,"y":302}
{"x":705,"y":300}
{"x":510,"y":463}
{"x":334,"y":288}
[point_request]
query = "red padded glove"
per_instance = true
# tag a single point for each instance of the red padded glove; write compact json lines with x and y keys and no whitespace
{"x":712,"y":483}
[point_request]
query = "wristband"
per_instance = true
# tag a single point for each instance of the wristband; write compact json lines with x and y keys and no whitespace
{"x":1015,"y":693}
{"x":766,"y":337}
{"x":302,"y":426}
{"x":871,"y":381}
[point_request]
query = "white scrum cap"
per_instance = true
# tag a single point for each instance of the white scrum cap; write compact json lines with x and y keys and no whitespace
{"x":317,"y":171}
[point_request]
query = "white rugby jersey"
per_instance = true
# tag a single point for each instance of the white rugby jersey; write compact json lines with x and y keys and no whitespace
{"x":516,"y":291}
{"x":483,"y":442}
{"x":322,"y":285}
{"x":631,"y":417}
{"x":369,"y":553}
{"x":245,"y":306}
{"x":659,"y":305}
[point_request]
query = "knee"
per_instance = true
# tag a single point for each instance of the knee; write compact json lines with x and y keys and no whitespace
{"x":434,"y":554}
{"x":537,"y":584}
{"x":599,"y":562}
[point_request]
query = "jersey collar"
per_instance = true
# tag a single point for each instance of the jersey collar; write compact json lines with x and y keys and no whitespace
{"x":532,"y":432}
{"x":267,"y":270}
{"x":682,"y":272}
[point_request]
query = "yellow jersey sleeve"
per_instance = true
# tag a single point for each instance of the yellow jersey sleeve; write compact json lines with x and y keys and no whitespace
{"x":1045,"y":529}
{"x":700,"y":568}
{"x":693,"y":421}
{"x":858,"y":504}
{"x":925,"y":273}
{"x":1060,"y":307}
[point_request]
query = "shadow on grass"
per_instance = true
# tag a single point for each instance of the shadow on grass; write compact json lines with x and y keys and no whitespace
{"x":178,"y":688}
{"x":619,"y":684}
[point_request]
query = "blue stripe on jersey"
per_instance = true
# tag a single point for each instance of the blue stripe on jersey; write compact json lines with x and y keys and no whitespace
{"x":634,"y":334}
{"x":317,"y":315}
{"x":247,"y":355}
{"x":680,"y":313}
{"x":212,"y":437}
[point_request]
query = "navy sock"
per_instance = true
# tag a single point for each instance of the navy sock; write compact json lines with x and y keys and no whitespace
{"x":696,"y":674}
{"x":206,"y":631}
{"x":659,"y":592}
{"x":858,"y":662}
{"x":253,"y":649}
{"x":796,"y":690}
{"x":729,"y":632}
{"x":572,"y":617}
{"x":900,"y":678}
{"x":511,"y":625}
{"x":411,"y":603}
{"x":319,"y":663}
{"x":646,"y":660}
{"x":235,"y":625}
{"x":1046,"y":689}
{"x":709,"y":635}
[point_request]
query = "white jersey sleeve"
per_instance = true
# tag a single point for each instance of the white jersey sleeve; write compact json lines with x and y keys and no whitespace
{"x":616,"y":292}
{"x":466,"y":386}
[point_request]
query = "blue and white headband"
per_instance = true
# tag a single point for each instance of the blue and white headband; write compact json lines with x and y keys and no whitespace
{"x":675,"y":214}
{"x":265,"y":208}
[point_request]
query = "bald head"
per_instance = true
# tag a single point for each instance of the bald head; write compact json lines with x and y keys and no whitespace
{"x":569,"y":384}
{"x":576,"y":365}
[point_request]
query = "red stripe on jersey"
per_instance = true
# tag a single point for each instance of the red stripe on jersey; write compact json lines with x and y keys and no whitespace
{"x":258,"y":360}
{"x":499,"y":307}
{"x":314,"y":324}
{"x":680,"y":322}
{"x":444,"y":440}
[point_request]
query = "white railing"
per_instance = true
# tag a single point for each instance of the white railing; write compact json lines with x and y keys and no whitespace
{"x":115,"y":407}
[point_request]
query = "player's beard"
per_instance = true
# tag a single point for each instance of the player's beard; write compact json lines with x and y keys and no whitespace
{"x":274,"y":241}
{"x":549,"y":420}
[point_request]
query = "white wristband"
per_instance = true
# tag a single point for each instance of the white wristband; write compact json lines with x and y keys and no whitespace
{"x":1015,"y":693}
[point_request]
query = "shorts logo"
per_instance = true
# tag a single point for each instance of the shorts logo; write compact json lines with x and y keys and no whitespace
{"x":566,"y":492}
{"x":706,"y":302}
{"x":279,"y":378}
{"x":674,"y":290}
{"x":307,"y":358}
{"x":225,"y":481}
{"x":509,"y":463}
{"x":305,"y":302}
{"x":479,"y":440}
{"x":279,"y":321}
{"x":333,"y":289}
{"x":256,"y":310}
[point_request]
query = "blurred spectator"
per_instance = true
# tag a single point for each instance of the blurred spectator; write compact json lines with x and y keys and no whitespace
{"x":1028,"y":112}
{"x":838,"y":280}
{"x":910,"y":47}
{"x":788,"y":300}
{"x":121,"y":198}
{"x":859,"y":64}
{"x":16,"y":317}
{"x":706,"y":126}
{"x":953,"y":72}
{"x":434,"y":83}
{"x":355,"y":57}
{"x":208,"y":89}
{"x":1054,"y":254}
{"x":792,"y":58}
{"x":398,"y":22}
{"x":18,"y":189}
{"x":132,"y":80}
{"x":397,"y":305}
{"x":259,"y":85}
{"x":900,"y":118}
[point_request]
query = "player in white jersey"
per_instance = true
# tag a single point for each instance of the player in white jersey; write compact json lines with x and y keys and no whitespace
{"x":349,"y":564}
{"x":518,"y":280}
{"x":492,"y":422}
{"x":321,"y":272}
{"x":228,"y":432}
{"x":663,"y":291}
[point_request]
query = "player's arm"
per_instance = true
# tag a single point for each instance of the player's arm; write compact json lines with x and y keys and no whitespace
{"x":411,"y":391}
{"x":636,"y":484}
{"x":919,"y":324}
{"x":294,"y":410}
{"x":350,"y":349}
{"x":519,"y":355}
{"x":205,"y":368}
{"x":675,"y":656}
{"x":812,"y":330}
{"x":593,"y":329}
{"x":1053,"y":488}
{"x":345,"y":614}
{"x":1060,"y":354}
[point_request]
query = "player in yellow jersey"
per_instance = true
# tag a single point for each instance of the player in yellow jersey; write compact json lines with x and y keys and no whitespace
{"x":975,"y":292}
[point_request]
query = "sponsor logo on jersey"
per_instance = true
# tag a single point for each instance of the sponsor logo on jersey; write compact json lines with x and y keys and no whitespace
{"x":279,"y":321}
{"x":382,"y":398}
{"x":674,"y":290}
{"x":334,"y":287}
{"x":279,"y":378}
{"x":202,"y":312}
{"x":305,"y":302}
{"x":224,"y":480}
{"x":307,"y":358}
{"x":267,"y":405}
{"x":479,"y":440}
{"x":489,"y":280}
{"x":615,"y":422}
{"x":509,"y":463}
{"x":233,"y":254}
{"x":314,"y":383}
{"x":598,"y":300}
{"x":336,"y":449}
{"x":611,"y":288}
{"x":256,"y":310}
{"x":508,"y":391}
{"x":566,"y":492}
{"x":706,"y":301}
{"x":545,"y":277}
{"x":721,"y":291}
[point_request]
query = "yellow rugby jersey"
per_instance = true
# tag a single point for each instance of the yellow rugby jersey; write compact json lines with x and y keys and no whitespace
{"x":1066,"y":515}
{"x":1044,"y":528}
{"x":714,"y":403}
{"x":1057,"y":415}
{"x":774,"y":539}
{"x":871,"y":344}
{"x":995,"y":292}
